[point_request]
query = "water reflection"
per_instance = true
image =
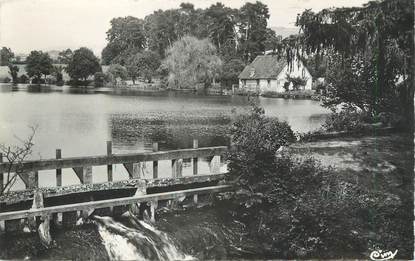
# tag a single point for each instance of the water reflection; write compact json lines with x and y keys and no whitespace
{"x":170,"y":132}
{"x":80,"y":121}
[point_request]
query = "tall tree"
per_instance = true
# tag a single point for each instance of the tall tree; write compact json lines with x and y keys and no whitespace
{"x":230,"y":71}
{"x":221,"y":26}
{"x":58,"y":73}
{"x":116,"y":71}
{"x":253,"y":28}
{"x":110,"y":52}
{"x":13,"y":71}
{"x":128,"y":32}
{"x":160,"y":30}
{"x":125,"y":33}
{"x":38,"y":63}
{"x":374,"y":46}
{"x":65,"y":56}
{"x":191,"y":61}
{"x":6,"y":56}
{"x":273,"y":41}
{"x":143,"y":64}
{"x":83,"y":64}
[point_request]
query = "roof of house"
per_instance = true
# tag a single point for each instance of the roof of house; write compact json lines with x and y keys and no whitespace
{"x":264,"y":66}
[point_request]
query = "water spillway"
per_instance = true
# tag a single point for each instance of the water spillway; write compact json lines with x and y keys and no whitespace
{"x":138,"y":241}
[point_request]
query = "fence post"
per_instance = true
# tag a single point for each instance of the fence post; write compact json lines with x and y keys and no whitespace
{"x":1,"y":174}
{"x":58,"y":171}
{"x":215,"y":164}
{"x":2,"y":223}
{"x":195,"y":160}
{"x":84,"y":174}
{"x":195,"y":167}
{"x":177,"y":168}
{"x":155,"y":163}
{"x":109,"y":153}
{"x":134,"y":169}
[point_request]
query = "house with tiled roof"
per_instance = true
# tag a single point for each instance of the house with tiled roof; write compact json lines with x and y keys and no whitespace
{"x":269,"y":73}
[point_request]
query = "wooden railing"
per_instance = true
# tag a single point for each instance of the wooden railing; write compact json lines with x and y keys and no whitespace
{"x":82,"y":166}
{"x":133,"y":163}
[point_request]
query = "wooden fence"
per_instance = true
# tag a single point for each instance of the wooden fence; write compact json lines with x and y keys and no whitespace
{"x":28,"y":171}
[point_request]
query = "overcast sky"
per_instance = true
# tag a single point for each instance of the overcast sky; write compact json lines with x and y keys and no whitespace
{"x":27,"y":25}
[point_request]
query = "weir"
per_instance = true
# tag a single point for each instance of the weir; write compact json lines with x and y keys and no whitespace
{"x":38,"y":209}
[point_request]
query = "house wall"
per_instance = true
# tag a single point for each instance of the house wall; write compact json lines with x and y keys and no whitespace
{"x":296,"y":70}
{"x":249,"y":85}
{"x":277,"y":85}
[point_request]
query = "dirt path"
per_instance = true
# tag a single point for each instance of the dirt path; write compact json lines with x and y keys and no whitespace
{"x":383,"y":163}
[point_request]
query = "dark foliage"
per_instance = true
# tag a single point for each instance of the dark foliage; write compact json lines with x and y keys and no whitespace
{"x":6,"y":56}
{"x":371,"y":51}
{"x":23,"y":79}
{"x":230,"y":71}
{"x":83,"y":64}
{"x":38,"y":63}
{"x":99,"y":79}
{"x":298,"y":209}
{"x":13,"y":71}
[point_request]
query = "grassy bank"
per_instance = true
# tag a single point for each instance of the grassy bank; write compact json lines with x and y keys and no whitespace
{"x":381,"y":164}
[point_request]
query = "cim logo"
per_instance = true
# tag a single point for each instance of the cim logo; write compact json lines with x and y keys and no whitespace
{"x":383,"y":255}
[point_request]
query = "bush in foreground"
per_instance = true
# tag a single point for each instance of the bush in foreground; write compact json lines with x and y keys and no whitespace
{"x":298,"y":209}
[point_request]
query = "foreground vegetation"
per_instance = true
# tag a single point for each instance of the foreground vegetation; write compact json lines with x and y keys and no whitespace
{"x":299,"y":208}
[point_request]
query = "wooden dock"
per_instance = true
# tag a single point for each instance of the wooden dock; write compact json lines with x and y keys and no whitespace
{"x":36,"y":207}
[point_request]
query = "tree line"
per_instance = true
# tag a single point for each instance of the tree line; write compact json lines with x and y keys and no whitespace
{"x":190,"y":45}
{"x":223,"y":39}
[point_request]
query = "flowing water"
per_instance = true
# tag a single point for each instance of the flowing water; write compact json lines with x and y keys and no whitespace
{"x":141,"y":241}
{"x":80,"y":122}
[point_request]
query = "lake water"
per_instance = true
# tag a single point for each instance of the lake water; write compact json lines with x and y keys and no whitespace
{"x":80,"y":122}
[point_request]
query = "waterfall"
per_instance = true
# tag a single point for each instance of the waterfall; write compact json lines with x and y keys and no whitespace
{"x":138,"y":241}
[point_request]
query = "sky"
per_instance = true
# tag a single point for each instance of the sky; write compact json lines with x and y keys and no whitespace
{"x":27,"y":25}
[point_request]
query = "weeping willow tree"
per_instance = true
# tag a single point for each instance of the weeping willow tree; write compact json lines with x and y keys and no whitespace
{"x":191,"y":61}
{"x":370,"y":55}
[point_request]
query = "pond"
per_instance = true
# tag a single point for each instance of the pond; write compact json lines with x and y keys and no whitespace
{"x":79,"y":122}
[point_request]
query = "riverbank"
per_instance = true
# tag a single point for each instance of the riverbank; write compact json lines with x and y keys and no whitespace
{"x":382,"y":164}
{"x":156,"y":90}
{"x":202,"y":233}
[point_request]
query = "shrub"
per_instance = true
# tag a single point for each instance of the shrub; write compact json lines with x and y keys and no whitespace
{"x":6,"y":79}
{"x":298,"y":82}
{"x":23,"y":79}
{"x":348,"y":119}
{"x":295,"y":207}
{"x":38,"y":81}
{"x":99,"y":79}
{"x":257,"y":138}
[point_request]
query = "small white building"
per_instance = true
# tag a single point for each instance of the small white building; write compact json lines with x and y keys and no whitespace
{"x":268,"y":73}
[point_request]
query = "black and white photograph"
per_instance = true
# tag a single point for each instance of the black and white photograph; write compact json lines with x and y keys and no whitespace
{"x":207,"y":130}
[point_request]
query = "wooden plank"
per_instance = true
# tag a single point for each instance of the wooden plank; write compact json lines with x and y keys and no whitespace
{"x":177,"y":168}
{"x":134,"y":170}
{"x":1,"y":175}
{"x":84,"y":174}
{"x":58,"y":171}
{"x":74,"y":162}
{"x":155,"y":163}
{"x":141,"y":190}
{"x":112,"y":202}
{"x":23,"y":195}
{"x":109,"y":154}
{"x":195,"y":166}
{"x":214,"y":164}
{"x":195,"y":159}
